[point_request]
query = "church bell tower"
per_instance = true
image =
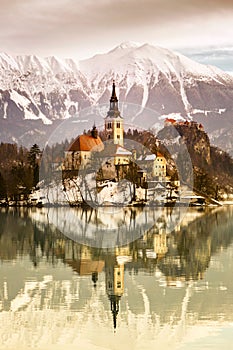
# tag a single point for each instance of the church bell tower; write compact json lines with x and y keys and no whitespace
{"x":114,"y":122}
{"x":114,"y":274}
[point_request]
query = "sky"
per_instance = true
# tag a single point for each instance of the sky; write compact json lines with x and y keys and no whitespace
{"x":82,"y":28}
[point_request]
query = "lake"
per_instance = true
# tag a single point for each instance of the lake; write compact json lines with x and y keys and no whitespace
{"x":125,"y":278}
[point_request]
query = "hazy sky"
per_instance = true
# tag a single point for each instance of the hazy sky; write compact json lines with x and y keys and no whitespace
{"x":81,"y":28}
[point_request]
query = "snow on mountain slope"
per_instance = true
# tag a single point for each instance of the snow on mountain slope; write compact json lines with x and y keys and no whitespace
{"x":36,"y":88}
{"x":52,"y":89}
{"x":24,"y":103}
{"x":43,"y":73}
{"x":145,"y":74}
{"x":32,"y":62}
{"x":58,"y":66}
{"x":150,"y":76}
{"x":7,"y":62}
{"x":125,"y":58}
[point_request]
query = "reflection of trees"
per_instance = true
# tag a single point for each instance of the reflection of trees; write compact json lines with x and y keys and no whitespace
{"x":188,"y":255}
{"x":20,"y":236}
{"x":184,"y":254}
{"x":190,"y":249}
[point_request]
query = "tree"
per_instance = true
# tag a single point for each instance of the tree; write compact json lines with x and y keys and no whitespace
{"x":33,"y":159}
{"x":3,"y":189}
{"x":204,"y":183}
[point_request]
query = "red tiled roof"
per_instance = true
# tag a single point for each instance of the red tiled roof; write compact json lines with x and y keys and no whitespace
{"x":86,"y":143}
{"x":159,"y":154}
{"x":170,"y":120}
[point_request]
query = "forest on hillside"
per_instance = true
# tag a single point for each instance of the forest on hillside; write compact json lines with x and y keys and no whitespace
{"x":19,"y":171}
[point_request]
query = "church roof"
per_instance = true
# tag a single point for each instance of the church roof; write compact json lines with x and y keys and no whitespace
{"x":86,"y":143}
{"x":121,"y":151}
{"x":147,"y":157}
{"x":113,"y":150}
{"x":113,"y":111}
{"x":114,"y":96}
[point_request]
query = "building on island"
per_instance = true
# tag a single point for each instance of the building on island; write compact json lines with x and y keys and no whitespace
{"x":115,"y":157}
{"x":80,"y":151}
{"x":155,"y":165}
{"x":192,"y":123}
{"x":109,"y":157}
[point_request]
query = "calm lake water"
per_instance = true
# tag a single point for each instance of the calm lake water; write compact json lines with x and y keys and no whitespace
{"x":158,"y":286}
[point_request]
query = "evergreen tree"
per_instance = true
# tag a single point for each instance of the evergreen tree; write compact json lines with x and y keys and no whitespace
{"x":33,"y":159}
{"x":3,"y":190}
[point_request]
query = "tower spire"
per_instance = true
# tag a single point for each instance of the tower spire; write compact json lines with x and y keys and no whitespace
{"x":114,"y":96}
{"x":114,"y":99}
{"x":114,"y":299}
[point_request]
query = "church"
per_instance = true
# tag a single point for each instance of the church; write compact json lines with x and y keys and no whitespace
{"x":113,"y":157}
{"x":81,"y":151}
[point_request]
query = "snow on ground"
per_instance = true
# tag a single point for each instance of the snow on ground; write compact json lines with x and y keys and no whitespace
{"x":116,"y":192}
{"x":83,"y":188}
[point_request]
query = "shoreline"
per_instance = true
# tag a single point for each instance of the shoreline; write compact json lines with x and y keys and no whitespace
{"x":131,"y":205}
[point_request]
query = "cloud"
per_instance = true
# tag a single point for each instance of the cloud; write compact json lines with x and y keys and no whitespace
{"x":41,"y":26}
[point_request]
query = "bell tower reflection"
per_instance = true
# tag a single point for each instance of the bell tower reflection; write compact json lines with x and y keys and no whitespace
{"x":114,"y":274}
{"x":94,"y":278}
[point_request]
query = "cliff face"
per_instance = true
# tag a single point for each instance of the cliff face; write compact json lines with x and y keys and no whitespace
{"x":196,"y":140}
{"x":212,"y":167}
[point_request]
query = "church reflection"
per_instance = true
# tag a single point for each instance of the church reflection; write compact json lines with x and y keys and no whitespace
{"x":114,"y":275}
{"x":86,"y":261}
{"x":180,"y":256}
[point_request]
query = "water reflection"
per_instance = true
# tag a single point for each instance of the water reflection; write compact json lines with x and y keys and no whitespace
{"x":156,"y":280}
{"x":113,"y":226}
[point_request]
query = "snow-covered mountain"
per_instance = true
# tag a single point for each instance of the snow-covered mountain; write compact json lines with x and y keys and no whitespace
{"x":159,"y":79}
{"x":35,"y":93}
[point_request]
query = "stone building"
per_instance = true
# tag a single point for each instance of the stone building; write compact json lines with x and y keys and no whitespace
{"x":153,"y":164}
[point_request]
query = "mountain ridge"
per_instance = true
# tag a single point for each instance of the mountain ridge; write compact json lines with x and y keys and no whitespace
{"x":51,"y":88}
